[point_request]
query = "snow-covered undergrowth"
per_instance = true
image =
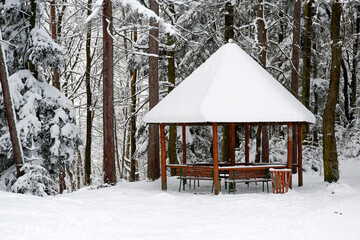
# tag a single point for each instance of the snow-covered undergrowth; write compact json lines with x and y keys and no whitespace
{"x":141,"y":210}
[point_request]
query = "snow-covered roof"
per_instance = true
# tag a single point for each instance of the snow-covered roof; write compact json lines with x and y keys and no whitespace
{"x":230,"y":86}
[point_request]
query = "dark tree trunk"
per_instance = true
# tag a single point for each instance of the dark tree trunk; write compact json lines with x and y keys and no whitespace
{"x":316,"y":96}
{"x":281,"y":22}
{"x":89,"y":111}
{"x":258,"y":144}
{"x":229,"y":21}
{"x":62,"y":185}
{"x":229,"y":34}
{"x":345,"y":89}
{"x":307,"y":62}
{"x":353,"y":85}
{"x":171,"y":78}
{"x":10,"y":114}
{"x":133,"y":161}
{"x":32,"y":67}
{"x":108,"y":92}
{"x":261,"y":34}
{"x":56,"y":77}
{"x":53,"y":23}
{"x":153,"y":149}
{"x":295,"y":72}
{"x":331,"y":164}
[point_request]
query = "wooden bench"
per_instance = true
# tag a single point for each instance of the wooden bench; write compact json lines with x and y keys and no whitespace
{"x":250,"y":175}
{"x":194,"y":174}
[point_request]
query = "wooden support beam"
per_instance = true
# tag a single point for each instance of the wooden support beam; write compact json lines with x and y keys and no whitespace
{"x":163,"y":157}
{"x":247,"y":131}
{"x":184,"y":142}
{"x":300,"y":172}
{"x":289,"y":149}
{"x":216,"y":159}
{"x":232,"y":144}
{"x":289,"y":146}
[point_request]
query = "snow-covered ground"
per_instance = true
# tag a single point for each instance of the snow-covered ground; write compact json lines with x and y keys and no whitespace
{"x":142,"y":211}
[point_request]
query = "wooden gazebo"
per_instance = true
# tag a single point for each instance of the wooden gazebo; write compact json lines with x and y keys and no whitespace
{"x":230,"y":88}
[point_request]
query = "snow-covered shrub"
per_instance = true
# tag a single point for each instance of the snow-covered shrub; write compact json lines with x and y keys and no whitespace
{"x":47,"y":130}
{"x":36,"y":180}
{"x":44,"y":50}
{"x":312,"y":157}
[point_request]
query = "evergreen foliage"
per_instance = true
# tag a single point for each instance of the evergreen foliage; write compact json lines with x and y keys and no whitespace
{"x":47,"y":130}
{"x":45,"y":116}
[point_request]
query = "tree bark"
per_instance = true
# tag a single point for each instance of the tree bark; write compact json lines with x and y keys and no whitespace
{"x":229,"y":21}
{"x":10,"y":113}
{"x":153,"y":149}
{"x":353,"y":85}
{"x":261,"y":34}
{"x":258,"y":144}
{"x":295,"y":72}
{"x":345,"y":89}
{"x":307,"y":62}
{"x":89,"y":111}
{"x":316,"y":95}
{"x":32,"y":67}
{"x":229,"y":34}
{"x":53,"y":23}
{"x":108,"y":92}
{"x":133,"y":161}
{"x":171,"y":78}
{"x":331,"y":165}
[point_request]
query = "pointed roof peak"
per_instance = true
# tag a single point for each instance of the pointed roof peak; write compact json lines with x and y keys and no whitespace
{"x":230,"y":86}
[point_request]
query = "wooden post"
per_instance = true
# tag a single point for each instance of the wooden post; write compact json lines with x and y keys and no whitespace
{"x":163,"y":157}
{"x":300,"y":172}
{"x":216,"y":159}
{"x":247,"y":156}
{"x":184,"y":142}
{"x":289,"y":148}
{"x":232,"y":144}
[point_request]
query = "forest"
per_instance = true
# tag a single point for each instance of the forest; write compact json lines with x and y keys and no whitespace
{"x":83,"y":73}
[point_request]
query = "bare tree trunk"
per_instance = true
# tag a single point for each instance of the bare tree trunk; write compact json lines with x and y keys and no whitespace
{"x":153,"y":149}
{"x":32,"y":67}
{"x":353,"y":85}
{"x":108,"y":114}
{"x":316,"y":96}
{"x":79,"y":171}
{"x":331,"y":164}
{"x":123,"y":173}
{"x":89,"y":110}
{"x":117,"y":150}
{"x":281,"y":22}
{"x":53,"y":23}
{"x":307,"y":62}
{"x":10,"y":113}
{"x":295,"y":72}
{"x":171,"y":78}
{"x":229,"y":34}
{"x":258,"y":144}
{"x":133,"y":161}
{"x":345,"y":89}
{"x":261,"y":34}
{"x":62,"y":185}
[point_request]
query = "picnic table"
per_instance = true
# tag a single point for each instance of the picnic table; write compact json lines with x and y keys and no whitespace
{"x":241,"y":172}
